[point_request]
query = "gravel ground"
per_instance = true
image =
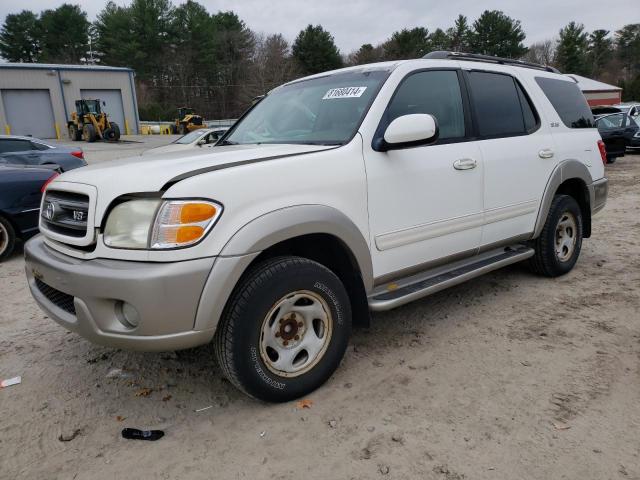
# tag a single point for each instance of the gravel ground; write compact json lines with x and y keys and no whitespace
{"x":508,"y":376}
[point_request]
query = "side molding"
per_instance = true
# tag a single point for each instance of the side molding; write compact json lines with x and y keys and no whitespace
{"x":565,"y":170}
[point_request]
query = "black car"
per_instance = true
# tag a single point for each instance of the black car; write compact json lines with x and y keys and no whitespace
{"x":617,"y":131}
{"x":17,"y":150}
{"x":20,"y":193}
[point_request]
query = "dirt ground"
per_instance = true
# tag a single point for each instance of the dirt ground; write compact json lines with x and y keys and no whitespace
{"x":509,"y":376}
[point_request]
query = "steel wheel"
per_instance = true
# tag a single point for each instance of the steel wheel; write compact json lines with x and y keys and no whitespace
{"x":295,"y":333}
{"x":566,"y":236}
{"x":4,"y":238}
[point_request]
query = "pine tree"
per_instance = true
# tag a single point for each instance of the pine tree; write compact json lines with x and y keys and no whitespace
{"x":20,"y":37}
{"x":315,"y":50}
{"x":494,"y":33}
{"x":571,"y":54}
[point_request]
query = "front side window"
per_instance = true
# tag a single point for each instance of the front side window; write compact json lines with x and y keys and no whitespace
{"x":500,"y":106}
{"x":436,"y":92}
{"x":325,"y":110}
{"x":568,"y":101}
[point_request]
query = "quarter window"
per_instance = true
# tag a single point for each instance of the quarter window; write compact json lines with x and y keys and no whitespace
{"x":434,"y":92}
{"x":568,"y":101}
{"x":501,"y":107}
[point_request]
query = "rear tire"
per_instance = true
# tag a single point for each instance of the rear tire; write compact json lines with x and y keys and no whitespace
{"x":7,"y":239}
{"x":89,"y":133}
{"x":284,"y":330}
{"x":115,"y":132}
{"x":558,"y":247}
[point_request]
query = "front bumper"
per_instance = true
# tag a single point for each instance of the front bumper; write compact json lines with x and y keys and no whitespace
{"x":598,"y":192}
{"x":84,"y":296}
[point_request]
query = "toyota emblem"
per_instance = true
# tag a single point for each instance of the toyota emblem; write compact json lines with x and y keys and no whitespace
{"x":49,"y":210}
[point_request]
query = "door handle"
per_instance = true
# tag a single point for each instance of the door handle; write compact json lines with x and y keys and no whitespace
{"x":464,"y":164}
{"x":545,"y":153}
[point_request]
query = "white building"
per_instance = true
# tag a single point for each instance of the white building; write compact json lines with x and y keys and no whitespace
{"x":37,"y":99}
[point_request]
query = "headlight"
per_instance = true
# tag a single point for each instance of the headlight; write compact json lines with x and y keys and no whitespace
{"x":637,"y":135}
{"x":128,"y":224}
{"x":158,"y":224}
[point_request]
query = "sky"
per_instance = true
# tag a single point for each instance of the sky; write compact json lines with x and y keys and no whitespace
{"x":354,"y":22}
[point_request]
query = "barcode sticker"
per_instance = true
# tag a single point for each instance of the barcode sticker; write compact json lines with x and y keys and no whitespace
{"x":344,"y":92}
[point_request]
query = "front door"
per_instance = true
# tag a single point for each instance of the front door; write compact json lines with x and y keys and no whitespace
{"x":426,"y":202}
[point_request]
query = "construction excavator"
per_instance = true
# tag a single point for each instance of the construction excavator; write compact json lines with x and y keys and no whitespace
{"x":90,"y":123}
{"x":187,"y":121}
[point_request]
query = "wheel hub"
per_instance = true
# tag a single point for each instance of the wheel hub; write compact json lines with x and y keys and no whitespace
{"x":566,"y":236}
{"x":295,"y":333}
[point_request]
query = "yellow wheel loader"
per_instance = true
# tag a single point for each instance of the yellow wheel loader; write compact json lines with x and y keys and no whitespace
{"x":90,"y":123}
{"x":187,"y":121}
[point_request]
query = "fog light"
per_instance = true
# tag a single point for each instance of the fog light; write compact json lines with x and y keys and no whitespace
{"x":127,"y":314}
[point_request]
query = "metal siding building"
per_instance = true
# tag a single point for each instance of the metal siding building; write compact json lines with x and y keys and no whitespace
{"x":598,"y":93}
{"x":37,"y":99}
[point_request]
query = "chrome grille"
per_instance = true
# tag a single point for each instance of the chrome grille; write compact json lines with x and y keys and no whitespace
{"x":65,"y":213}
{"x":58,"y":298}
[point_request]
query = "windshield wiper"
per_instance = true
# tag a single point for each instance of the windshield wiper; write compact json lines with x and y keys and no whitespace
{"x":228,"y":142}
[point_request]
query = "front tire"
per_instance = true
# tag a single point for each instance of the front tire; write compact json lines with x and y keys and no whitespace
{"x":558,"y":247}
{"x":7,"y":239}
{"x":284,"y":330}
{"x":89,"y":133}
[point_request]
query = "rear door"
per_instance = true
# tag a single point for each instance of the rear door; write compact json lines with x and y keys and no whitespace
{"x":517,"y":150}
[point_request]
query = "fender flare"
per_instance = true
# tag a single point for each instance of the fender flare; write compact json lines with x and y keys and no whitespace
{"x":565,"y":170}
{"x":268,"y":230}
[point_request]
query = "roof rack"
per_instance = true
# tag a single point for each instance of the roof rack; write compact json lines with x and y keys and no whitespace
{"x":476,"y":57}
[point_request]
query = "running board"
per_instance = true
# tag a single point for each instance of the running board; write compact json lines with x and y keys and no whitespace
{"x":395,"y":294}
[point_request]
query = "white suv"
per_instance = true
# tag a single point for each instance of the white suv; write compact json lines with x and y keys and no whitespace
{"x":338,"y":194}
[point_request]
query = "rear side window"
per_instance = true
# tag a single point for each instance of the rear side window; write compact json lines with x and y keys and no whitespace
{"x":436,"y":92}
{"x":568,"y":101}
{"x":501,"y":107}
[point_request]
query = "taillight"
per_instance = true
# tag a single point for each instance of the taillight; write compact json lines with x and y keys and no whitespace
{"x":603,"y":151}
{"x":78,"y":153}
{"x":46,"y":184}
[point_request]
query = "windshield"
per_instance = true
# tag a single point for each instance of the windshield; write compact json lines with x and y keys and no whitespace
{"x":326,"y":110}
{"x":190,"y":137}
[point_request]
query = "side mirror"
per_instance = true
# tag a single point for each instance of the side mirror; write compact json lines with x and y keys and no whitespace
{"x":201,"y":142}
{"x":408,"y":131}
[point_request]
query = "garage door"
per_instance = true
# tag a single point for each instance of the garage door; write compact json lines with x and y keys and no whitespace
{"x":112,"y":104}
{"x":29,"y":112}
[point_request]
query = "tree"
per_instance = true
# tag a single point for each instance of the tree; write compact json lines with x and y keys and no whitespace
{"x":439,"y":40}
{"x":315,"y":50}
{"x":599,"y":52}
{"x":20,"y":37}
{"x":407,"y":44}
{"x":150,"y":36}
{"x":112,"y":30}
{"x":272,"y":63}
{"x":459,"y":35}
{"x":571,"y":54}
{"x":494,"y":33}
{"x":542,"y":52}
{"x":65,"y":32}
{"x":628,"y":49}
{"x":367,"y":53}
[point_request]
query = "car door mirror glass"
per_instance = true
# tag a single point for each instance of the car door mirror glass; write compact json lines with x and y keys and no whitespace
{"x":410,"y":130}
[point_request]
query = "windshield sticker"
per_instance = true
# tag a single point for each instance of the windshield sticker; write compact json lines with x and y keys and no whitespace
{"x":344,"y":92}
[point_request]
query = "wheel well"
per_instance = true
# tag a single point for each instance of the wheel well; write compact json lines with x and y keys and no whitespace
{"x":331,"y":252}
{"x":577,"y":189}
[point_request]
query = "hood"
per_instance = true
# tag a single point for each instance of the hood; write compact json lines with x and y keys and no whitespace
{"x":172,"y":147}
{"x":151,"y":173}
